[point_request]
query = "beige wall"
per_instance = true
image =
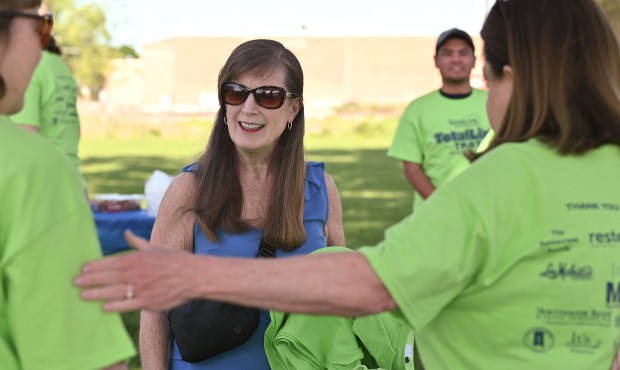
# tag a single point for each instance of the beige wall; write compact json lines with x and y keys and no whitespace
{"x":179,"y":75}
{"x":123,"y":85}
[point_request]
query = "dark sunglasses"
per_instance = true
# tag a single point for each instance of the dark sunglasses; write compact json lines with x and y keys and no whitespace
{"x":44,"y":27}
{"x":270,"y":97}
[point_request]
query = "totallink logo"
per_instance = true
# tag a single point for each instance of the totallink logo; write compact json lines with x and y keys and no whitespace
{"x":460,"y":136}
{"x":538,"y":340}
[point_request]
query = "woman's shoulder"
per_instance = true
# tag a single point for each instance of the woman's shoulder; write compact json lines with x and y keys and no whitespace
{"x":183,"y":186}
{"x":31,"y":156}
{"x":315,"y":174}
{"x":315,"y":166}
{"x":191,"y":168}
{"x":516,"y":152}
{"x":314,"y":171}
{"x":503,"y":166}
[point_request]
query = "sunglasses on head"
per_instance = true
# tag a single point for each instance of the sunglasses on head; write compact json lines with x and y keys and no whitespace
{"x":270,"y":97}
{"x":44,"y":26}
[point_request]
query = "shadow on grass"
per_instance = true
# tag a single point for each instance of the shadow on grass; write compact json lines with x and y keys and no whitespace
{"x":125,"y":174}
{"x":373,"y":190}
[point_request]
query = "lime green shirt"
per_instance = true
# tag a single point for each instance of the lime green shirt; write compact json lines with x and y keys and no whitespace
{"x":47,"y":232}
{"x":514,"y":264}
{"x":305,"y":342}
{"x":50,"y":105}
{"x":434,"y":131}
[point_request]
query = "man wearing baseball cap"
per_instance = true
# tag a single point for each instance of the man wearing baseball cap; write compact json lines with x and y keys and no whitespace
{"x":437,"y":128}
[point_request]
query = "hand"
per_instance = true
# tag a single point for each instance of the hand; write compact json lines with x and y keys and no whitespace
{"x":616,"y":364}
{"x":151,"y":278}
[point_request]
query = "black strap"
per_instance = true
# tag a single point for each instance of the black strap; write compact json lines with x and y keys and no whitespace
{"x":266,"y":250}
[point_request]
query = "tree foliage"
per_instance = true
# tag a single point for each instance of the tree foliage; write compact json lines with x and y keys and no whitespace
{"x":82,"y":32}
{"x":125,"y":51}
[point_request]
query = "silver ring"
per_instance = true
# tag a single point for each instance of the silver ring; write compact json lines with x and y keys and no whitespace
{"x":129,"y":293}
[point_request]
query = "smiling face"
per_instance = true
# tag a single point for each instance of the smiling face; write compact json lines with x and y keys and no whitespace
{"x":20,"y":53}
{"x":455,"y":60}
{"x":253,"y":129}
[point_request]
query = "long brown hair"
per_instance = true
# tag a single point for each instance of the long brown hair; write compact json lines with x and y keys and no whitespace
{"x":5,"y":24}
{"x":566,"y":72}
{"x":219,"y":198}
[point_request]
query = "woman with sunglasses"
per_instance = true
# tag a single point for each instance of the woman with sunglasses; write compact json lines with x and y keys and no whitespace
{"x":46,"y":229}
{"x":250,"y":184}
{"x":515,"y":263}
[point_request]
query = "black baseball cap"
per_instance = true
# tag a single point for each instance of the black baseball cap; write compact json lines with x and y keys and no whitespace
{"x":454,"y":33}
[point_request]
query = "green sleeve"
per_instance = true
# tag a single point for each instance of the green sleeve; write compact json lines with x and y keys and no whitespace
{"x":406,"y":144}
{"x":428,"y":258}
{"x":51,"y":327}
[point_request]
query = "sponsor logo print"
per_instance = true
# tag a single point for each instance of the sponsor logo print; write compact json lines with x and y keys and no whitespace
{"x":608,"y":238}
{"x":561,"y":316}
{"x":563,"y":271}
{"x":471,"y":121}
{"x":583,"y":342}
{"x":461,"y":140}
{"x":538,"y":340}
{"x":592,"y":206}
{"x":612,"y":294}
{"x":467,"y":135}
{"x":558,"y":245}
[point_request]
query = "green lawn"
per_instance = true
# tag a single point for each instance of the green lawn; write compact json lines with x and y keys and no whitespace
{"x":373,"y":190}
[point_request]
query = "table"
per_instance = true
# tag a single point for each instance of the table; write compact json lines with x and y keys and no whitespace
{"x":110,"y":228}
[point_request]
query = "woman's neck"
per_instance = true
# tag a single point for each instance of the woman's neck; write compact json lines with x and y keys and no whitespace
{"x":253,"y":169}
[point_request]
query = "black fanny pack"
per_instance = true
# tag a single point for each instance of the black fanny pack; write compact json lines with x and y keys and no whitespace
{"x":204,"y":328}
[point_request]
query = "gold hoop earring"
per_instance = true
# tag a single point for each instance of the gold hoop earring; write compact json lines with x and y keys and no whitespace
{"x":226,"y":121}
{"x":289,"y":125}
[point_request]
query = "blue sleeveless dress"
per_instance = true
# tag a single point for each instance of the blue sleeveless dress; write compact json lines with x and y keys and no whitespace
{"x":251,"y":354}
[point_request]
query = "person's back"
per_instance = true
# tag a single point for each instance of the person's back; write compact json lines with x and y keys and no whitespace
{"x":46,"y":234}
{"x":46,"y":229}
{"x":523,"y":244}
{"x":50,"y":106}
{"x":543,"y":257}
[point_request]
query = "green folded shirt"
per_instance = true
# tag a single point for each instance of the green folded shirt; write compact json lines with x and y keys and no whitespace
{"x":299,"y":341}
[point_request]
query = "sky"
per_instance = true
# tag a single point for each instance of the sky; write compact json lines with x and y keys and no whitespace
{"x":136,"y":22}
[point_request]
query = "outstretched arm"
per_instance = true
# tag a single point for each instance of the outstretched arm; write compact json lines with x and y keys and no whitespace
{"x":336,"y":283}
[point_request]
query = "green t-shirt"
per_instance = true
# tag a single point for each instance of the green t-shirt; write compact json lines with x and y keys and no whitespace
{"x":434,"y":131}
{"x":514,"y":264}
{"x":47,"y":232}
{"x":50,"y":104}
{"x":299,"y":341}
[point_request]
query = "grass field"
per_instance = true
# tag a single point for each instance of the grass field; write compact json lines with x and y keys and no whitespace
{"x":373,"y":190}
